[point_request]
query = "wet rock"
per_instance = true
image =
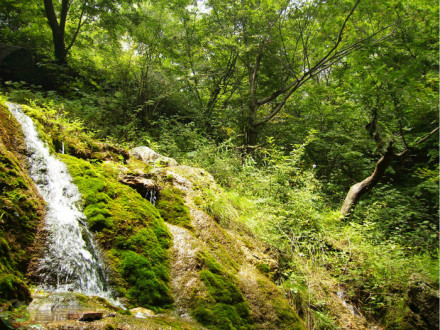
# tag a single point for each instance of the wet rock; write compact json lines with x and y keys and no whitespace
{"x":5,"y":324}
{"x":141,"y":312}
{"x":149,"y":156}
{"x":145,"y":187}
{"x":91,"y":316}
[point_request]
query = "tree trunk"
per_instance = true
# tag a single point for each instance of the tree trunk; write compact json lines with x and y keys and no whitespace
{"x":60,"y":52}
{"x":357,"y":190}
{"x":250,"y":129}
{"x":251,"y":135}
{"x":58,"y":28}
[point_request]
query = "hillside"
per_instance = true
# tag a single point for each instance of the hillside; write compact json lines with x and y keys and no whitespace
{"x":187,"y":256}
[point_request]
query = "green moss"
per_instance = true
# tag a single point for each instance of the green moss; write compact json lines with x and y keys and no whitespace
{"x":286,"y":317}
{"x":263,"y":268}
{"x":5,"y":253}
{"x":172,"y":207}
{"x":224,"y":306}
{"x":12,"y":287}
{"x":206,"y":260}
{"x":198,"y":200}
{"x":221,"y":287}
{"x":129,"y":229}
{"x":147,"y":285}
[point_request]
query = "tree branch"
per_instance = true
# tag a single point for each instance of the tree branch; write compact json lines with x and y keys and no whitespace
{"x":50,"y":14}
{"x":418,"y":141}
{"x":323,"y":65}
{"x":80,"y":25}
{"x":65,"y":4}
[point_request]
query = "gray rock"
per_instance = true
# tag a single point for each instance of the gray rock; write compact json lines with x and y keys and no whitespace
{"x":149,"y":156}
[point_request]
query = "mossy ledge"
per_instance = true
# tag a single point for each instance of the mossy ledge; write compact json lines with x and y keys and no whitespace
{"x":224,"y":306}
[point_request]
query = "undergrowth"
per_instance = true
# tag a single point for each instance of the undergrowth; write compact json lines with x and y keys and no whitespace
{"x":369,"y":259}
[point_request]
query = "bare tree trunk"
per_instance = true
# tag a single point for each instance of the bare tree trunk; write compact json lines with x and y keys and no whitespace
{"x":360,"y":188}
{"x":356,"y":191}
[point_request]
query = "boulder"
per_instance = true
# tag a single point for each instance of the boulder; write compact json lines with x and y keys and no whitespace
{"x":16,"y":63}
{"x":149,"y":156}
{"x":141,"y":312}
{"x":423,"y":301}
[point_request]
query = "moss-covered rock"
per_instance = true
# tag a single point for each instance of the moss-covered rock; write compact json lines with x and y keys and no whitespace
{"x":214,"y":267}
{"x":172,"y":207}
{"x":223,"y":307}
{"x":13,"y":288}
{"x":129,"y":229}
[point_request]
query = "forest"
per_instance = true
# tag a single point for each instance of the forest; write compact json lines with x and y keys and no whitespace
{"x":318,"y":121}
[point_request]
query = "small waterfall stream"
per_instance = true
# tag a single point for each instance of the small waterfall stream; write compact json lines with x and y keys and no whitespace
{"x":71,"y":261}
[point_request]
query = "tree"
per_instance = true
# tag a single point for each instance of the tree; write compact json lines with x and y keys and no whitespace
{"x":396,"y":86}
{"x":67,"y":22}
{"x":59,"y":27}
{"x":281,"y":46}
{"x":357,"y":190}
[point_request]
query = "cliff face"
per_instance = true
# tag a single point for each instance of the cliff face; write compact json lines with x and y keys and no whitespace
{"x":174,"y":257}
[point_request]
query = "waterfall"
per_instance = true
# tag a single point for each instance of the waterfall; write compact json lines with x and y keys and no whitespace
{"x":71,"y":261}
{"x":151,"y":195}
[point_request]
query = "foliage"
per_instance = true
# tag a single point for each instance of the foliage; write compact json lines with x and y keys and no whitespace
{"x":283,"y":203}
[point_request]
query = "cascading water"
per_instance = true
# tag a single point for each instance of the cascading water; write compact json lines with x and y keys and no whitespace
{"x":151,"y":195}
{"x":71,"y":261}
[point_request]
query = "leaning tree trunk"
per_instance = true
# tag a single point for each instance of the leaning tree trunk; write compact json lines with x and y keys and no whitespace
{"x":360,"y":188}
